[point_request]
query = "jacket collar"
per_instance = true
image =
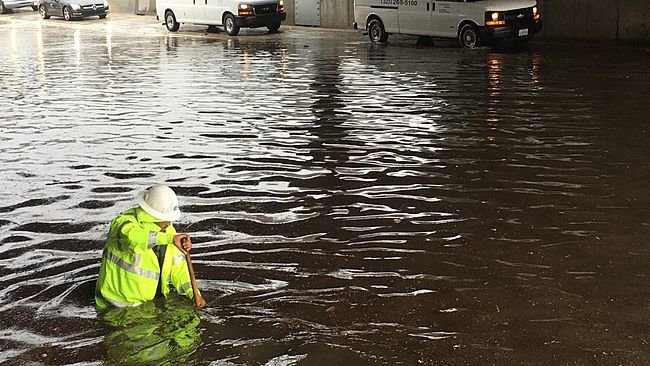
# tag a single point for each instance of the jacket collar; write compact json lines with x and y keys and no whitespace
{"x":141,"y":215}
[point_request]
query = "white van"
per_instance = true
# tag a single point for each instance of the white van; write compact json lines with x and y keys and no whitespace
{"x":472,"y":22}
{"x":231,"y":14}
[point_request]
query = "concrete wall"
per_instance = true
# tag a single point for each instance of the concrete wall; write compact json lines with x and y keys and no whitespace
{"x":290,"y":9}
{"x":122,"y":6}
{"x":577,"y":19}
{"x":634,"y":20}
{"x":584,"y":19}
{"x":602,"y":19}
{"x":336,"y":13}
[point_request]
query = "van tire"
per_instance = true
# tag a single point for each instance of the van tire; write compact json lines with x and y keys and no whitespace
{"x":170,"y":21}
{"x":34,"y":7}
{"x":273,"y":28}
{"x":376,"y":31}
{"x":468,"y":36}
{"x":3,"y":9}
{"x":229,"y":25}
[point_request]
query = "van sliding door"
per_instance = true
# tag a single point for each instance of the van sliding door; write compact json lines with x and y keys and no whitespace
{"x":199,"y":10}
{"x":414,"y":16}
{"x":213,"y":12}
{"x":445,"y":18}
{"x":183,"y":9}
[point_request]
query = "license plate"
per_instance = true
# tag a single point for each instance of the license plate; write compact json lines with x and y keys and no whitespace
{"x":523,"y":32}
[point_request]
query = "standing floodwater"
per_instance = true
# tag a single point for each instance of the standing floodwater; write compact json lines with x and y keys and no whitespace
{"x":350,"y":204}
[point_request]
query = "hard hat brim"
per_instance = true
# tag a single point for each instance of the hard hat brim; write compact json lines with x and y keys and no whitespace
{"x":172,"y":216}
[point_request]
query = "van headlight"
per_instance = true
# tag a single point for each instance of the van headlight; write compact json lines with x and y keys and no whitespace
{"x":493,"y":18}
{"x":245,"y":10}
{"x":75,"y":6}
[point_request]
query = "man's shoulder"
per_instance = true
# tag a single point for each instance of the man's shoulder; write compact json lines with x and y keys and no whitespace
{"x":128,"y":215}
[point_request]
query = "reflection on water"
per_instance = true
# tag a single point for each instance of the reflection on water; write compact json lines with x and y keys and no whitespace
{"x":166,"y":334}
{"x":351,"y":203}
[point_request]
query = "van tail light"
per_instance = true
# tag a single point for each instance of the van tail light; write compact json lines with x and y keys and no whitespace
{"x":280,"y":6}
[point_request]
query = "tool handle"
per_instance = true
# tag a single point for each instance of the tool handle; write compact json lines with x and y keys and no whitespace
{"x":195,"y":287}
{"x":190,"y":268}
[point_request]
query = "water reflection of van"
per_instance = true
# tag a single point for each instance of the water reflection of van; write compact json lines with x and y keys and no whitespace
{"x":472,"y":22}
{"x":230,"y":14}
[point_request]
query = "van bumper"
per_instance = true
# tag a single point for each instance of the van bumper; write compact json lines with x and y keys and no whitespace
{"x":509,"y":33}
{"x":256,"y":21}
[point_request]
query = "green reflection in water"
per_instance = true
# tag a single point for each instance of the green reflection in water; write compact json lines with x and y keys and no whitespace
{"x":164,"y":332}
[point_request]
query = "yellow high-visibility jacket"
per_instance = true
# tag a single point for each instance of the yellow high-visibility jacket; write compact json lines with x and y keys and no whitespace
{"x":130,"y":272}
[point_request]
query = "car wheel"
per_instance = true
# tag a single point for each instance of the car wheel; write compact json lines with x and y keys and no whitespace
{"x":229,"y":25}
{"x":376,"y":31}
{"x":468,"y":36}
{"x":170,"y":21}
{"x":273,"y":27}
{"x":67,"y":13}
{"x":3,"y":9}
{"x":43,"y":12}
{"x":102,"y":16}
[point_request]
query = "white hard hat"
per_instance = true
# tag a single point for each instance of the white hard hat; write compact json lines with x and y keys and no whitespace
{"x":160,"y":202}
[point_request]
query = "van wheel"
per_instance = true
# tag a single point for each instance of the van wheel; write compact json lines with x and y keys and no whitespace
{"x":376,"y":31}
{"x":229,"y":25}
{"x":43,"y":12}
{"x":34,"y":7}
{"x":170,"y":21}
{"x":468,"y":36}
{"x":273,"y":27}
{"x":3,"y":9}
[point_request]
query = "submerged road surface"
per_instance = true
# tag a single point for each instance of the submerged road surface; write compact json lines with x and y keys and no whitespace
{"x":351,"y":204}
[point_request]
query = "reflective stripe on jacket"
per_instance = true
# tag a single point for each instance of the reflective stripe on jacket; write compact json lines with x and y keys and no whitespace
{"x":129,"y":273}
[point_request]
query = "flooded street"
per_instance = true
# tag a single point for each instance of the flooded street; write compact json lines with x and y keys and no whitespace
{"x":350,"y":204}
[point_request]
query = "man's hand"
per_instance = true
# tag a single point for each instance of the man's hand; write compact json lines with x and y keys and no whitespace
{"x":201,"y":302}
{"x":183,"y":242}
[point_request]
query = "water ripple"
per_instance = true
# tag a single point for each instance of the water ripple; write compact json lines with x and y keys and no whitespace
{"x":382,"y":205}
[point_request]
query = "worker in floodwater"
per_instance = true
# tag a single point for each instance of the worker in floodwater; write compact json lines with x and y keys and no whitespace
{"x":143,"y":254}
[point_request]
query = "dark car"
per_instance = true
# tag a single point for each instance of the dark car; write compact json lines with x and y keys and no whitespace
{"x":7,"y":6}
{"x":71,"y":9}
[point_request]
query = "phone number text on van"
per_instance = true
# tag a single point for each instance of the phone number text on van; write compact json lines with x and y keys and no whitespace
{"x":400,"y":2}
